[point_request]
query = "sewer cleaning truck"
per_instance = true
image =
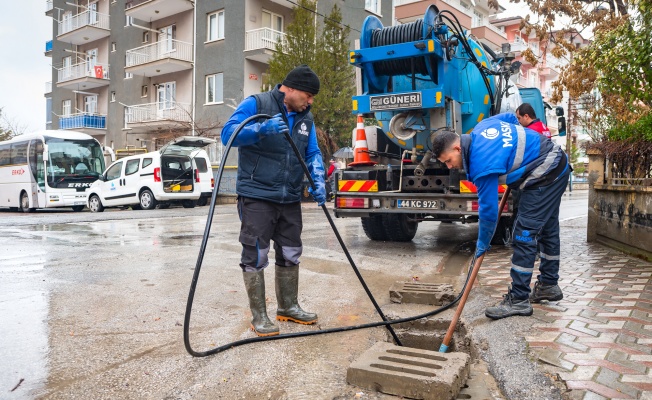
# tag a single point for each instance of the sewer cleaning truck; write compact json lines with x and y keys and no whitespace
{"x":416,"y":80}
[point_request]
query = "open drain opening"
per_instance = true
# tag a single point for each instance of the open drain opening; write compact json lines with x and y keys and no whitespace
{"x":428,"y":334}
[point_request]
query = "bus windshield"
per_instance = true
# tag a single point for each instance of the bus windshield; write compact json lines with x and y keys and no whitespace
{"x":73,"y":161}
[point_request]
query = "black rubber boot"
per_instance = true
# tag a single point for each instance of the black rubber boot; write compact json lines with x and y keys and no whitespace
{"x":287,"y":288}
{"x":255,"y":284}
{"x":509,"y":307}
{"x":545,"y":292}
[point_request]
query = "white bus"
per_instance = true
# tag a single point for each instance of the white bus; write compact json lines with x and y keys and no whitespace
{"x":48,"y":169}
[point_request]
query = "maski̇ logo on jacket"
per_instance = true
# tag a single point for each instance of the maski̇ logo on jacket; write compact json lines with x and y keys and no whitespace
{"x":490,"y":133}
{"x":304,"y":129}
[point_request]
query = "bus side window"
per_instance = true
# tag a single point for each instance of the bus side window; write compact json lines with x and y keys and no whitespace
{"x":5,"y":154}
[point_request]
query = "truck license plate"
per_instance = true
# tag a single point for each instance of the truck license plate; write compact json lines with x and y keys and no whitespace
{"x":431,"y":204}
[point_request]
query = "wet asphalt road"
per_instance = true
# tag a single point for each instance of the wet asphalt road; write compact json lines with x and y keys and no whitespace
{"x":93,"y":304}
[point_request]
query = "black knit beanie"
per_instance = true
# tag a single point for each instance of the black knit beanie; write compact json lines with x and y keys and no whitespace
{"x":303,"y":78}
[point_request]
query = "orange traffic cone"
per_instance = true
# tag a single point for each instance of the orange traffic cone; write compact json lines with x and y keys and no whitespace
{"x":361,"y":151}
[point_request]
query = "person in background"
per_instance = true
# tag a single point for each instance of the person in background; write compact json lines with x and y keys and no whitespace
{"x":499,"y":148}
{"x":269,"y":187}
{"x":528,"y":118}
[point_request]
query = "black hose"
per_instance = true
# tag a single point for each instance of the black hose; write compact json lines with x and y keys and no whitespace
{"x":202,"y":250}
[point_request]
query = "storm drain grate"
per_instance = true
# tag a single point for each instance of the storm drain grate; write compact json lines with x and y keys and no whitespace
{"x":410,"y":372}
{"x":435,"y":294}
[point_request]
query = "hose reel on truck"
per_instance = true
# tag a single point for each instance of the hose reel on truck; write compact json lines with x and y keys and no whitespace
{"x":417,"y":79}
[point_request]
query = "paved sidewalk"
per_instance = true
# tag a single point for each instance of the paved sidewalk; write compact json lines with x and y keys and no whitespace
{"x":598,"y":339}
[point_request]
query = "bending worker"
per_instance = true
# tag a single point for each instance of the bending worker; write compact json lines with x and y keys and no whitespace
{"x":499,"y":149}
{"x":269,"y":187}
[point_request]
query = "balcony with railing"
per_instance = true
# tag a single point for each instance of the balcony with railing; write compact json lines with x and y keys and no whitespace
{"x":261,"y":43}
{"x":489,"y":34}
{"x":48,"y":48}
{"x":85,"y":27}
{"x":88,"y":75}
{"x":83,"y":121}
{"x":159,"y":58}
{"x":48,"y":87}
{"x":157,"y":115}
{"x":153,"y":10}
{"x":49,"y":6}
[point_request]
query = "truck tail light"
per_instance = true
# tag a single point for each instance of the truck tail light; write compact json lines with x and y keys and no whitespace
{"x":212,"y":182}
{"x":197,"y":175}
{"x":344,"y":202}
{"x":473,"y":206}
{"x":157,"y":174}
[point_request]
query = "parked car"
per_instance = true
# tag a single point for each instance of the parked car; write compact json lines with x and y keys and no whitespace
{"x":169,"y":175}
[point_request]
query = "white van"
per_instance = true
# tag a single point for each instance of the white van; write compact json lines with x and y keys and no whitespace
{"x":169,"y":175}
{"x":206,"y":176}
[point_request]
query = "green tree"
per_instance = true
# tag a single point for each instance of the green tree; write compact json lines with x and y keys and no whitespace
{"x":298,"y":47}
{"x":326,"y":54}
{"x":333,"y":108}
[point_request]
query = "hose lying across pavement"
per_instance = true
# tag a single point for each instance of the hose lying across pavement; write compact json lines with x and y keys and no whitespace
{"x":202,"y":250}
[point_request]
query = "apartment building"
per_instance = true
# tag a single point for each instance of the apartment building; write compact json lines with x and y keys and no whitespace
{"x":133,"y":72}
{"x":473,"y":15}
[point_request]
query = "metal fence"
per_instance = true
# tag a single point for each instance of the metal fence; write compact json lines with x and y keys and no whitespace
{"x":170,"y":111}
{"x":263,"y":38}
{"x":83,"y":120}
{"x":88,"y":17}
{"x":83,"y":70}
{"x":158,"y":51}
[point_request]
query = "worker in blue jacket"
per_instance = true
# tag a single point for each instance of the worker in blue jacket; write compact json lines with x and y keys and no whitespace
{"x":269,"y":187}
{"x":500,"y":150}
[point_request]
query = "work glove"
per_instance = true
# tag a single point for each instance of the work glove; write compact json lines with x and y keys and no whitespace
{"x":317,"y":172}
{"x":274,"y":126}
{"x":485,"y":233}
{"x":255,"y":132}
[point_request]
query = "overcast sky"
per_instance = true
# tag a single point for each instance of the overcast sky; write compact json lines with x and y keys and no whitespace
{"x":24,"y":69}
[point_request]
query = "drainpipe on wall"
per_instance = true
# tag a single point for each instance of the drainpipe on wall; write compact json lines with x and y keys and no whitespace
{"x":194,"y":64}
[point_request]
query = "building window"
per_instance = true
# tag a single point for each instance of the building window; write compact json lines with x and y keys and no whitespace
{"x":465,"y":5}
{"x":272,"y":21}
{"x":215,"y":26}
{"x":128,"y":75}
{"x":143,"y":91}
{"x":48,"y":110}
{"x":145,"y":37}
{"x":373,"y":6}
{"x":214,"y":88}
{"x":478,"y":19}
{"x":113,"y":46}
{"x":128,"y":21}
{"x":112,"y":97}
{"x":66,"y":107}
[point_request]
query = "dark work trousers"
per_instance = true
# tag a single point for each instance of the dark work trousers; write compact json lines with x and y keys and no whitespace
{"x":262,"y":221}
{"x":537,"y":228}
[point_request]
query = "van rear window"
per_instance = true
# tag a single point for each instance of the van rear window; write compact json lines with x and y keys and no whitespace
{"x":201,"y":164}
{"x":147,"y":162}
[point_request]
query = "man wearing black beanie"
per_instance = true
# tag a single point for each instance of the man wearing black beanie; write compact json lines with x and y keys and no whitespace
{"x":269,"y":188}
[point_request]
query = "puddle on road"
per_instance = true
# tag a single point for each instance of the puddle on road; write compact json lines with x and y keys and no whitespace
{"x":24,"y":302}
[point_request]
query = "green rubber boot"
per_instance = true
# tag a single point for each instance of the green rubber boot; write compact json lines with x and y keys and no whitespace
{"x":287,"y":288}
{"x":255,"y":284}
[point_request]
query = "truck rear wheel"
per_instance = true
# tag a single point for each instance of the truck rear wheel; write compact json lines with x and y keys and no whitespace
{"x":400,"y":227}
{"x":503,"y":234}
{"x":373,"y":227}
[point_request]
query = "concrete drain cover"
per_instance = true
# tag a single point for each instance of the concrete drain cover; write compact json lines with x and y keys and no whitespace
{"x":409,"y":372}
{"x":436,"y":294}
